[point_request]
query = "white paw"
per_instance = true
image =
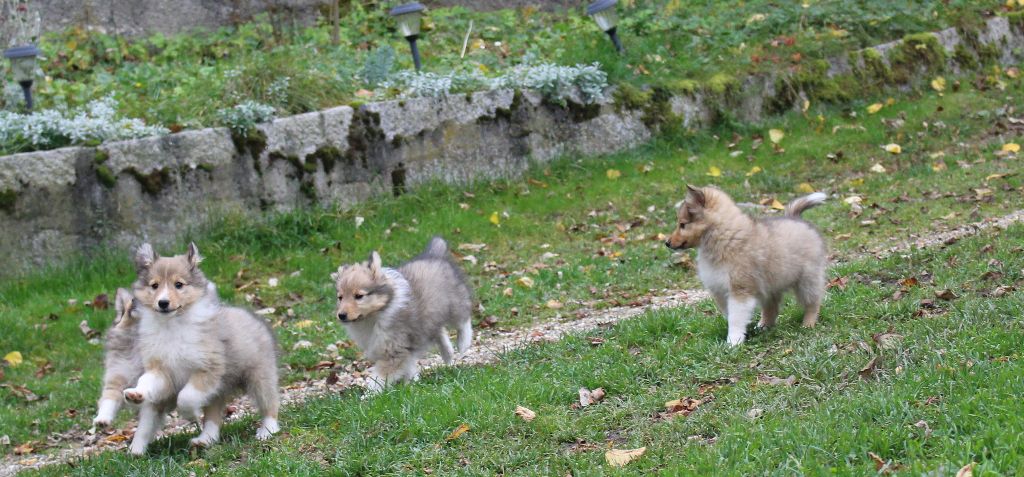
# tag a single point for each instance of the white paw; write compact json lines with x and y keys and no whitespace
{"x":134,"y":395}
{"x":204,"y":440}
{"x":735,"y":339}
{"x":269,"y":428}
{"x":101,"y":421}
{"x":137,"y":448}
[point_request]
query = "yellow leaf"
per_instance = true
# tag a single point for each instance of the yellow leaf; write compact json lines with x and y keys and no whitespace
{"x":526,"y":282}
{"x":995,"y":176}
{"x":525,"y":413}
{"x":776,"y":135}
{"x":804,"y":188}
{"x":777,"y":205}
{"x":495,"y":219}
{"x":613,"y":174}
{"x":939,"y":83}
{"x":14,"y":358}
{"x":1011,"y":147}
{"x":874,"y":108}
{"x":893,"y":148}
{"x":714,"y":171}
{"x":856,"y":182}
{"x":878,"y":169}
{"x":890,"y":101}
{"x":621,"y":457}
{"x":462,"y":429}
{"x":838,"y":33}
{"x":754,"y":170}
{"x":806,"y":105}
{"x":303,"y":324}
{"x":939,"y":166}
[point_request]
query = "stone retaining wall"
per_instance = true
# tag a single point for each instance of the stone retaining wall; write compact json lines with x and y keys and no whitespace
{"x":54,"y":204}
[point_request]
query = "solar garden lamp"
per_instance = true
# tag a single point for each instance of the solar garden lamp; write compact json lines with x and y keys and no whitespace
{"x":408,"y":18}
{"x":23,"y":66}
{"x":603,"y":12}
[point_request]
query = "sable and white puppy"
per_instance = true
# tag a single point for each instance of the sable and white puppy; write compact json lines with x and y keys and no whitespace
{"x":122,"y":362}
{"x":745,"y":261}
{"x":198,"y":354}
{"x":395,"y":314}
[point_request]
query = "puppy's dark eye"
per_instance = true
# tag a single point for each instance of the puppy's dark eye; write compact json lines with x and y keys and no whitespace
{"x":155,"y":286}
{"x":359,"y":296}
{"x":178,"y":285}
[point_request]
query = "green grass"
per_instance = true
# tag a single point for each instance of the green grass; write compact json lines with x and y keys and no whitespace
{"x":181,"y":81}
{"x":955,"y":367}
{"x":569,"y":205}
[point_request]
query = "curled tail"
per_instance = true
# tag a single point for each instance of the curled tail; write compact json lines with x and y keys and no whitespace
{"x":798,"y":206}
{"x":437,"y":247}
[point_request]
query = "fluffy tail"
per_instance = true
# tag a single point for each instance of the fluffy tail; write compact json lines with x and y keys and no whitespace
{"x":436,"y":248}
{"x":798,"y":206}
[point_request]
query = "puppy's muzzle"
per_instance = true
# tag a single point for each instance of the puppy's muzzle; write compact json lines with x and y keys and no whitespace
{"x":343,"y":317}
{"x":164,"y":305}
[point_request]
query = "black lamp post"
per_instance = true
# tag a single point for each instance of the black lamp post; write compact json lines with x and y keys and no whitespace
{"x":23,"y":66}
{"x":408,"y":18}
{"x":603,"y":12}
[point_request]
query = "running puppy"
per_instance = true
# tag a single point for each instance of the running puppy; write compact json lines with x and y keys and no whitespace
{"x":395,"y":314}
{"x":198,"y":354}
{"x":745,"y":261}
{"x":122,"y":364}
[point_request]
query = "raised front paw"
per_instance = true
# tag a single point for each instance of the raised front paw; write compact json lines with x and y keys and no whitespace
{"x":134,"y":395}
{"x":101,"y":421}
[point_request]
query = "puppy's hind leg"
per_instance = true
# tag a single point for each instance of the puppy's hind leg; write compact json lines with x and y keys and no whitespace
{"x":810,"y":292}
{"x":444,"y":345}
{"x":741,"y":311}
{"x":263,"y":389}
{"x":465,"y":334}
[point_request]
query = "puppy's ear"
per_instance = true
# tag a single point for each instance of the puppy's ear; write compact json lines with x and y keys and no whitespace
{"x":695,"y":193}
{"x":193,"y":256}
{"x":374,"y":263}
{"x":123,"y":306}
{"x":144,"y":257}
{"x":337,"y":274}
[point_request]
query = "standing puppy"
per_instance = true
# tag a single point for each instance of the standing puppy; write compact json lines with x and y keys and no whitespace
{"x":122,"y":364}
{"x":395,"y":315}
{"x":198,"y":354}
{"x":744,"y":261}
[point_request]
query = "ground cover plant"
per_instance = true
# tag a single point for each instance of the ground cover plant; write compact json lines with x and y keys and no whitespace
{"x":197,"y":79}
{"x":598,"y":246}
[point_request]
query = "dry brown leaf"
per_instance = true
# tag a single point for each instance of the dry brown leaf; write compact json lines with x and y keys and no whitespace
{"x":88,"y":332}
{"x":773,"y":381}
{"x":621,"y":457}
{"x":966,"y":471}
{"x":946,"y":294}
{"x":462,"y":429}
{"x":101,"y":302}
{"x":869,"y":369}
{"x":554,"y":304}
{"x":525,"y":413}
{"x":588,"y":397}
{"x":24,"y":449}
{"x":887,"y":340}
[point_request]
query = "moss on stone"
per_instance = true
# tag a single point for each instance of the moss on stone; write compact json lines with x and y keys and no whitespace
{"x":205,"y":167}
{"x":100,"y":157}
{"x":682,"y":86}
{"x":628,"y":96}
{"x":154,"y":182}
{"x":327,"y":155}
{"x":253,"y":142}
{"x":918,"y":53}
{"x":721,"y":83}
{"x":7,"y":199}
{"x":964,"y":57}
{"x":105,"y":176}
{"x":309,"y":190}
{"x":1016,"y":19}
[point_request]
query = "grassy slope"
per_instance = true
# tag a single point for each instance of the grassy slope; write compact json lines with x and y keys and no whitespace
{"x":563,"y":210}
{"x":956,"y":368}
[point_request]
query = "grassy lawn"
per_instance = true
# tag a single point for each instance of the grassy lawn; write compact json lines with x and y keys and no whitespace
{"x":602,"y":233}
{"x":943,"y":392}
{"x":183,"y":80}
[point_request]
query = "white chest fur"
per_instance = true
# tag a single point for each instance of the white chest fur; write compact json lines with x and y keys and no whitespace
{"x":177,"y":341}
{"x":715,"y":277}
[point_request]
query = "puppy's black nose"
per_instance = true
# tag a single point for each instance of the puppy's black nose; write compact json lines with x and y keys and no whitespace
{"x":668,"y":244}
{"x":163,"y":304}
{"x":343,"y":316}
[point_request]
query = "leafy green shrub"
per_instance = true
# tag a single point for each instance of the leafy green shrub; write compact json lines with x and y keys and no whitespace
{"x":378,"y":66}
{"x":243,"y":117}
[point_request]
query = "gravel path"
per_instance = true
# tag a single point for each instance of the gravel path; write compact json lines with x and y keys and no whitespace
{"x":488,"y":347}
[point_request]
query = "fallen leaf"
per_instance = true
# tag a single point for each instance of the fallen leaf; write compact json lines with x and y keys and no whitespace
{"x":939,"y":166}
{"x":966,"y":471}
{"x":525,"y":282}
{"x":489,"y":321}
{"x":869,"y":369}
{"x":874,"y":108}
{"x":805,"y":188}
{"x":682,"y":407}
{"x":946,"y":294}
{"x":939,"y":83}
{"x":302,"y":344}
{"x":588,"y":397}
{"x":13,"y":358}
{"x":773,"y":381}
{"x":22,"y":392}
{"x":462,"y":429}
{"x":24,"y":449}
{"x":754,"y":170}
{"x":883,"y":466}
{"x":776,"y":135}
{"x":755,"y":413}
{"x":303,"y":324}
{"x":777,"y":205}
{"x":621,"y":457}
{"x":1011,"y":147}
{"x":116,"y":438}
{"x":887,"y":340}
{"x":893,"y":148}
{"x":525,"y":413}
{"x":495,"y":219}
{"x":613,"y":174}
{"x":88,"y":332}
{"x":878,"y":169}
{"x":554,"y":304}
{"x":472,"y":247}
{"x":101,"y":302}
{"x":714,"y":171}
